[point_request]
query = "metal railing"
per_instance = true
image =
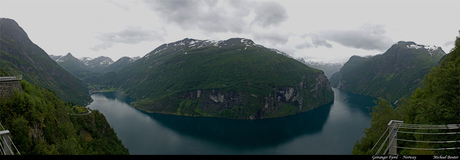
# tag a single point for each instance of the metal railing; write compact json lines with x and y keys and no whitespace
{"x":6,"y":144}
{"x":394,"y":126}
{"x":11,"y":78}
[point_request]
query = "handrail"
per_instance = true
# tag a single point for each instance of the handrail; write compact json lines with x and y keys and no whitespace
{"x":396,"y":125}
{"x":11,"y":78}
{"x":6,"y":142}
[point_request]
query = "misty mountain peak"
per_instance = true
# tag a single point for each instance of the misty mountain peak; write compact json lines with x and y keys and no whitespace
{"x":432,"y":49}
{"x":412,"y":47}
{"x":188,"y":43}
{"x":67,"y":57}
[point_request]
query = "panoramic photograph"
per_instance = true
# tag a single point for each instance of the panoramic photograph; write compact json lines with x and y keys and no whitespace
{"x":378,"y":79}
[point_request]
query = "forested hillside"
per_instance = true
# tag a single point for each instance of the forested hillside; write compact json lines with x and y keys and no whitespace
{"x":437,"y":102}
{"x":393,"y":74}
{"x":42,"y":124}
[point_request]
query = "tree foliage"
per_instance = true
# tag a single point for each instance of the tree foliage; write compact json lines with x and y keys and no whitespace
{"x":41,"y":123}
{"x":437,"y":102}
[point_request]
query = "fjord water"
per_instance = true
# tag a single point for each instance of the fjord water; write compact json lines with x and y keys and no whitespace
{"x":327,"y":130}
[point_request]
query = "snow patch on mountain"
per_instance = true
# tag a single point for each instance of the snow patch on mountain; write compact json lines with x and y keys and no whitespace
{"x":187,"y":44}
{"x":430,"y":48}
{"x":415,"y":46}
{"x":61,"y":59}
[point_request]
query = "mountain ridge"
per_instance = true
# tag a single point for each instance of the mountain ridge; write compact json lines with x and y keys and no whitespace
{"x":393,"y":74}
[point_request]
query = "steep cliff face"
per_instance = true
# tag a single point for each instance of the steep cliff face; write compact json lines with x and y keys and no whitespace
{"x":235,"y":79}
{"x":279,"y":102}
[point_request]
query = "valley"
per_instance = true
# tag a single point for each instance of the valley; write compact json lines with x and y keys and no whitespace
{"x":202,"y":77}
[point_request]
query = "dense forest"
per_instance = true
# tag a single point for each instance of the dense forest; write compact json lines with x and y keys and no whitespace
{"x":41,"y":123}
{"x":436,"y":102}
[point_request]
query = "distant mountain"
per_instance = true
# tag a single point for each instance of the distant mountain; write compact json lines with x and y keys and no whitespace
{"x":74,"y":66}
{"x":87,"y":67}
{"x":120,"y":63}
{"x":393,"y":74}
{"x":19,"y":55}
{"x":327,"y":67}
{"x":55,"y":57}
{"x":97,"y":64}
{"x":234,"y":78}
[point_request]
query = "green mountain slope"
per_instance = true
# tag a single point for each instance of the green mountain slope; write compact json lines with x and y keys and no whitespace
{"x":19,"y":55}
{"x":437,"y":102}
{"x":235,"y":78}
{"x":393,"y":74}
{"x":42,"y":124}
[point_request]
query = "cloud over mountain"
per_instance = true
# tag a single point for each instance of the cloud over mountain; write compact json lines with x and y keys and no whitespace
{"x":220,"y":16}
{"x":130,"y":35}
{"x":272,"y":38}
{"x":367,"y":37}
{"x":315,"y":42}
{"x":268,"y":14}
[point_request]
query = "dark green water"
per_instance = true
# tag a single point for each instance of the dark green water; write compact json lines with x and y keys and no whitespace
{"x":328,"y":130}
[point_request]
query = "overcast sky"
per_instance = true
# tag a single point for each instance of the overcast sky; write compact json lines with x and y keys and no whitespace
{"x":320,"y":30}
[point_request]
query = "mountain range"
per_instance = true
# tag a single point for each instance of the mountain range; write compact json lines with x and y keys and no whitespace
{"x":393,"y":74}
{"x":86,"y":67}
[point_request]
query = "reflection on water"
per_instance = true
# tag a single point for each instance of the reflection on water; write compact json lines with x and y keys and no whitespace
{"x":330,"y":129}
{"x":247,"y":133}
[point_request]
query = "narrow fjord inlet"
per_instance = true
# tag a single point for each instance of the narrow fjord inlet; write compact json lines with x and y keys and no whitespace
{"x":331,"y":129}
{"x":230,"y":77}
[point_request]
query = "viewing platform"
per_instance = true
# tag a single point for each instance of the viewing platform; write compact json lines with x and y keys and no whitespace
{"x":11,"y":78}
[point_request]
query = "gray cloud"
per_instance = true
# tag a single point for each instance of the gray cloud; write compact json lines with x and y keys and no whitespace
{"x":320,"y":42}
{"x":316,"y":42}
{"x":131,"y":35}
{"x":305,"y":44}
{"x":449,"y":43}
{"x":368,"y":37}
{"x":272,"y":38}
{"x":269,"y":13}
{"x":211,"y":16}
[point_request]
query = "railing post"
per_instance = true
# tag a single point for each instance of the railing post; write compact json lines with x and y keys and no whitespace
{"x":393,"y":125}
{"x":6,"y":142}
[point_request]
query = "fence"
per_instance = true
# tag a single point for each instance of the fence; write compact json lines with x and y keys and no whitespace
{"x":396,"y":127}
{"x":7,"y":146}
